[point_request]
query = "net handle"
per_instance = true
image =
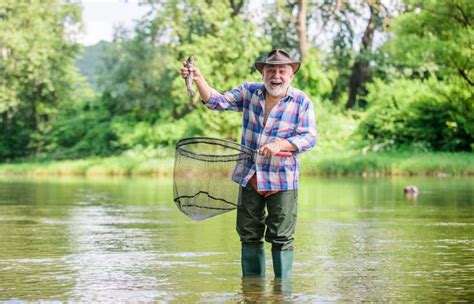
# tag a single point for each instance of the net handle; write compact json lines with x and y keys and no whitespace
{"x":284,"y":154}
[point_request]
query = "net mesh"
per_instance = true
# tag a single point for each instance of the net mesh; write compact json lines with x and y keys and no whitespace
{"x":207,"y":175}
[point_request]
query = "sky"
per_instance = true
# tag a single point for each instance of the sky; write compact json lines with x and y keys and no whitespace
{"x":100,"y":17}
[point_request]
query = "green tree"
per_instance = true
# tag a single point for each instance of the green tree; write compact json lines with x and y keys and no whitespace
{"x":435,"y":37}
{"x":37,"y":71}
{"x":90,"y":60}
{"x":135,"y":80}
{"x":279,"y":25}
{"x":418,"y":114}
{"x":141,"y":83}
{"x":225,"y":55}
{"x":360,"y":72}
{"x":431,"y":103}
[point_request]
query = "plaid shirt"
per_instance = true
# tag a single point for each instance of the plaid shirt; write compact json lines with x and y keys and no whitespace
{"x":291,"y":119}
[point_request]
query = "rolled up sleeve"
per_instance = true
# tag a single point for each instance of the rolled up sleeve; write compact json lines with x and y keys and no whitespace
{"x":306,"y":133}
{"x":228,"y":101}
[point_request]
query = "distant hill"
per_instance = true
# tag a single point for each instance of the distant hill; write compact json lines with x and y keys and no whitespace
{"x":90,"y":60}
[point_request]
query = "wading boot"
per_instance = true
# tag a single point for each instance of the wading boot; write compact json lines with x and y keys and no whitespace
{"x":253,"y":260}
{"x":282,"y":263}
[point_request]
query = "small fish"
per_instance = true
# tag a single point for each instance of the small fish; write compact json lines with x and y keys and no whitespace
{"x":189,"y":79}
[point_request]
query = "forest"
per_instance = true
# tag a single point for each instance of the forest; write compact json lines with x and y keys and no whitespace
{"x":388,"y":79}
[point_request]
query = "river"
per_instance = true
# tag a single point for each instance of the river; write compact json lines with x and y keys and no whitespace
{"x":124,"y":240}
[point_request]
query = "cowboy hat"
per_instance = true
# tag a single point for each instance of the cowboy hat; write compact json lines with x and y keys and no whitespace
{"x":276,"y":57}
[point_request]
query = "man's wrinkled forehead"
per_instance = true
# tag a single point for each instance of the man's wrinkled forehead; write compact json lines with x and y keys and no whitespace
{"x":277,"y":66}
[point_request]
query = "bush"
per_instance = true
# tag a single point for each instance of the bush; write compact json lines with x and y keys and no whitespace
{"x":82,"y":130}
{"x":426,"y":115}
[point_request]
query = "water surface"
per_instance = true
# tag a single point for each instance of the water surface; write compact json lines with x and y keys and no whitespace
{"x":123,"y":239}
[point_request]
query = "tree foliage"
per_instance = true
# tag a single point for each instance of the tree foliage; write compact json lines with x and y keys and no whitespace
{"x":415,"y":81}
{"x":419,"y":114}
{"x":37,"y":73}
{"x":436,"y":37}
{"x":142,"y":77}
{"x":431,"y":103}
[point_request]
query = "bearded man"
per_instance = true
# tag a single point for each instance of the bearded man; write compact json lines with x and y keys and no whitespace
{"x":276,"y":117}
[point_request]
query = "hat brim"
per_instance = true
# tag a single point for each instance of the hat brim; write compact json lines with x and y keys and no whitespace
{"x":295,"y":65}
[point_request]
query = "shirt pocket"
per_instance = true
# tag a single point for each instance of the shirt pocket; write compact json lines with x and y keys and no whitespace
{"x":284,"y":129}
{"x":277,"y":163}
{"x":285,"y":132}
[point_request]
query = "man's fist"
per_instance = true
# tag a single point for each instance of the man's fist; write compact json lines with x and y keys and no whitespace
{"x":268,"y":150}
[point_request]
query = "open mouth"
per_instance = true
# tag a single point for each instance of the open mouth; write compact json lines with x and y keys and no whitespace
{"x":276,"y":83}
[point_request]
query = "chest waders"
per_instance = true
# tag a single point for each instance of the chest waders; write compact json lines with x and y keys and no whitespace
{"x":272,"y":218}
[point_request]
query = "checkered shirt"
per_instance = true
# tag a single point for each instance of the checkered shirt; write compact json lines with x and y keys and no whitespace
{"x":291,"y":119}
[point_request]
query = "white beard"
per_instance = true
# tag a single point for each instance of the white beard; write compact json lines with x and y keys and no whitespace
{"x":278,"y":91}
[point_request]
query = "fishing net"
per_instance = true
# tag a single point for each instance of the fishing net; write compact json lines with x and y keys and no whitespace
{"x":207,"y":175}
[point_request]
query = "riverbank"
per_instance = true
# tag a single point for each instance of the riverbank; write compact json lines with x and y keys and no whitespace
{"x":350,"y":163}
{"x":391,"y":163}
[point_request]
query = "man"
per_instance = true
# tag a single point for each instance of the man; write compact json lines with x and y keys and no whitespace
{"x":276,"y":117}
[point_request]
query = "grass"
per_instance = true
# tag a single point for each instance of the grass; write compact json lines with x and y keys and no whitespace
{"x":390,"y":163}
{"x":348,"y":163}
{"x":116,"y":165}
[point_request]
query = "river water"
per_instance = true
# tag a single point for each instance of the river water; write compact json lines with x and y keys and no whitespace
{"x":124,"y":240}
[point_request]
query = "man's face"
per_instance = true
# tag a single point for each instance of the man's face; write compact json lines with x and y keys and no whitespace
{"x":277,"y":78}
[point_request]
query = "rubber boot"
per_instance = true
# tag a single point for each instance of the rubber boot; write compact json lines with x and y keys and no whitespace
{"x":253,"y":260}
{"x":282,"y":263}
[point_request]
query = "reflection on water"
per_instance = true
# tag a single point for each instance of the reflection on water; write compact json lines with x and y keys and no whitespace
{"x":118,"y":239}
{"x":261,"y":290}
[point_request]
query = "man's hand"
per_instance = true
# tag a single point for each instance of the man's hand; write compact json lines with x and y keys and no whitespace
{"x":184,"y":71}
{"x":269,"y":150}
{"x":203,"y":87}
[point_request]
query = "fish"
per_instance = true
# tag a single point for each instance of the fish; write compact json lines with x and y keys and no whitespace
{"x":189,"y":79}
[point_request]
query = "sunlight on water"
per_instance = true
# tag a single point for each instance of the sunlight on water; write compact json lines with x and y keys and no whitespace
{"x":118,"y":239}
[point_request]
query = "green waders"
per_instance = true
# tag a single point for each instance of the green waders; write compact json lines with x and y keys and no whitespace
{"x":278,"y":228}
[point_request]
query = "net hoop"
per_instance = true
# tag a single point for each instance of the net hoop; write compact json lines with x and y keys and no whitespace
{"x":207,"y":175}
{"x":241,"y":152}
